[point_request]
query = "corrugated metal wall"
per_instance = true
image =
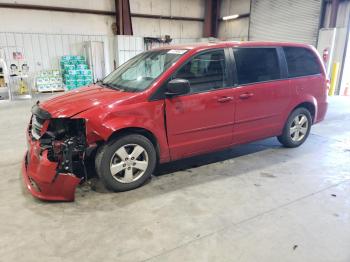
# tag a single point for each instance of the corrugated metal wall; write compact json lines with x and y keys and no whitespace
{"x":42,"y":51}
{"x":285,"y":20}
{"x":129,"y":46}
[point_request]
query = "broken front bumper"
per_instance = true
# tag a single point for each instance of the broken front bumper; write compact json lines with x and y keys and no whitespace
{"x":41,"y":179}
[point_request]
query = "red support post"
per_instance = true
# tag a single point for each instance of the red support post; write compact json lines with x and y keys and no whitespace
{"x":211,"y":19}
{"x":123,"y":17}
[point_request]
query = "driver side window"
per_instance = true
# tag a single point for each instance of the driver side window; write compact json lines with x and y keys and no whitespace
{"x":206,"y":71}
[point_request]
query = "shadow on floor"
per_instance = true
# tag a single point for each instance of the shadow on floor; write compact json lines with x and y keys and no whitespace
{"x":182,"y":174}
{"x":193,"y":167}
{"x":206,"y":159}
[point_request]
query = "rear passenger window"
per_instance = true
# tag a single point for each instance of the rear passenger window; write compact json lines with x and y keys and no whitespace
{"x":256,"y":64}
{"x":301,"y":62}
{"x":205,"y":71}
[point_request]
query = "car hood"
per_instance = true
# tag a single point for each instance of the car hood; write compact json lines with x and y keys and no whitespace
{"x":82,"y":99}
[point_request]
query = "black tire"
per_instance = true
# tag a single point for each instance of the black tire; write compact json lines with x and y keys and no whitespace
{"x":286,"y":139}
{"x":107,"y":153}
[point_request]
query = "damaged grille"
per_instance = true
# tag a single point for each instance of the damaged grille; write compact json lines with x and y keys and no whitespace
{"x":37,"y":125}
{"x":63,"y":139}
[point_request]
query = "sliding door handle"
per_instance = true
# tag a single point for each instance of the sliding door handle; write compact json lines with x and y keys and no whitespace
{"x":246,"y":95}
{"x":225,"y":99}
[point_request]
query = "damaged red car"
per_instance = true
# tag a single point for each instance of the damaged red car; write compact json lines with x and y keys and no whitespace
{"x":171,"y":103}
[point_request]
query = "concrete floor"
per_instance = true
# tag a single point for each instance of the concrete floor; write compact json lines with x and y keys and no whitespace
{"x":257,"y":202}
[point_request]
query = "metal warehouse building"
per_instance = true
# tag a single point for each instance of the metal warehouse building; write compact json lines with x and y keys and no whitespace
{"x":175,"y":130}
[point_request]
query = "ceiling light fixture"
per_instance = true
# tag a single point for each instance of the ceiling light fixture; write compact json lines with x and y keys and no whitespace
{"x":230,"y":17}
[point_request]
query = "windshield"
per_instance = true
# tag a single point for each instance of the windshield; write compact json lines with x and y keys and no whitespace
{"x":138,"y":73}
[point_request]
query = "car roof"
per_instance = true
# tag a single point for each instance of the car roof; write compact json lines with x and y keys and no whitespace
{"x":221,"y":44}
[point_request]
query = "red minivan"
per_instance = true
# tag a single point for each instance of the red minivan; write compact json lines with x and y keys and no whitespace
{"x":171,"y":103}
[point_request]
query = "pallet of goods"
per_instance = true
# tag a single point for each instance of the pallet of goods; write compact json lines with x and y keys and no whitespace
{"x":49,"y":81}
{"x":75,"y":72}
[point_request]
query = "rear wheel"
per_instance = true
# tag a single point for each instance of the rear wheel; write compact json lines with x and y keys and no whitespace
{"x":126,"y":163}
{"x":297,"y":128}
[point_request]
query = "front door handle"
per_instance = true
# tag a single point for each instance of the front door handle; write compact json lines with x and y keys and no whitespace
{"x":225,"y":99}
{"x":246,"y":95}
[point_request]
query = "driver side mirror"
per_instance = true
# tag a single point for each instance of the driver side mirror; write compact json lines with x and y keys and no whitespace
{"x":177,"y":86}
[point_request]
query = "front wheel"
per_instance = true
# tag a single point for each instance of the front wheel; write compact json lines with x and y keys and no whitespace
{"x":297,"y":128}
{"x":126,"y":163}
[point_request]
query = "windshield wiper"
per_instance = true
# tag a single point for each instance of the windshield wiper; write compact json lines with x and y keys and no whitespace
{"x":110,"y":86}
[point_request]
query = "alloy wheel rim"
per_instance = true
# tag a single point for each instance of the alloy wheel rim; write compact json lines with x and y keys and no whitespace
{"x":299,"y":127}
{"x":129,"y":163}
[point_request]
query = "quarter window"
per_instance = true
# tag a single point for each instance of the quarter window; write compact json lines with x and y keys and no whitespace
{"x":256,"y":65}
{"x":301,"y":62}
{"x":205,"y":71}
